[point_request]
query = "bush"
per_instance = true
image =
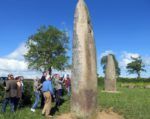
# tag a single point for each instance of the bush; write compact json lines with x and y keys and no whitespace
{"x":1,"y":92}
{"x":133,"y":80}
{"x":28,"y":93}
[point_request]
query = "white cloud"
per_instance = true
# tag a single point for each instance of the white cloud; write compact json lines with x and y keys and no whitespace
{"x":15,"y":63}
{"x":18,"y":53}
{"x":146,"y":60}
{"x":126,"y":58}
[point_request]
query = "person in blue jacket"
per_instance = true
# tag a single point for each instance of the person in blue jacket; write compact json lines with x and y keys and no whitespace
{"x":48,"y":92}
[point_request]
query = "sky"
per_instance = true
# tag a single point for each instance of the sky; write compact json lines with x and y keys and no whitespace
{"x":121,"y":27}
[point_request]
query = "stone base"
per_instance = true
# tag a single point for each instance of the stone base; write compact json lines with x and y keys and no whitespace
{"x":93,"y":116}
{"x":101,"y":115}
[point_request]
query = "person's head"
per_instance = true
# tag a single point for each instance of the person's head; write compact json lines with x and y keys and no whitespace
{"x":48,"y":77}
{"x":37,"y":79}
{"x":54,"y":76}
{"x":10,"y":77}
{"x":17,"y":79}
{"x":58,"y":76}
{"x":21,"y":78}
{"x":44,"y":73}
{"x":47,"y":72}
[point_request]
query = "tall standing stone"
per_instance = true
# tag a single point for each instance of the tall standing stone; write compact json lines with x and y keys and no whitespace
{"x":110,"y":75}
{"x":84,"y":73}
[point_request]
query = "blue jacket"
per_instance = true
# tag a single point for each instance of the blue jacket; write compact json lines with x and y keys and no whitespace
{"x":47,"y":86}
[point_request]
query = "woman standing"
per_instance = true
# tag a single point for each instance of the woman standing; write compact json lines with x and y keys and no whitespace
{"x":37,"y":86}
{"x":19,"y":92}
{"x":58,"y":87}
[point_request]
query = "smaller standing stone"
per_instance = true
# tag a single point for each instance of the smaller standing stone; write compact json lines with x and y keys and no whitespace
{"x":110,"y":75}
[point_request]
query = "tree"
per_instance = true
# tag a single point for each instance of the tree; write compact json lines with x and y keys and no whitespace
{"x":136,"y":66}
{"x":47,"y":49}
{"x":104,"y":62}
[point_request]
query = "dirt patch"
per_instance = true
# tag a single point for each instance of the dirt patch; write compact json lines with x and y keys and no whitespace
{"x":101,"y":115}
{"x":109,"y":115}
{"x":64,"y":116}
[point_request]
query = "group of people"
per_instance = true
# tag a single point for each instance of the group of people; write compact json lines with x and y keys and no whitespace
{"x":50,"y":88}
{"x":13,"y":92}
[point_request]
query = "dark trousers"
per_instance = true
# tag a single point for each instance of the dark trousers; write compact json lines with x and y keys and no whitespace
{"x":17,"y":103}
{"x":11,"y":102}
{"x":42,"y":100}
{"x":58,"y":97}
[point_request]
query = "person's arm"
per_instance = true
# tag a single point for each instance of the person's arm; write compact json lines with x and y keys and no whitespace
{"x":51,"y":88}
{"x":39,"y":86}
{"x":4,"y":83}
{"x":60,"y":82}
{"x":7,"y":86}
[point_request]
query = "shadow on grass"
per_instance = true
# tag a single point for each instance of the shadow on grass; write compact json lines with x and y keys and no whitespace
{"x":56,"y":107}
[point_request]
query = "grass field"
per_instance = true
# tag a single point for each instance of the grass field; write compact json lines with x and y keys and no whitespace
{"x":131,"y":103}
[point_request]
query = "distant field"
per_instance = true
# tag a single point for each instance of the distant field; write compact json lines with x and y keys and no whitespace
{"x":131,"y":103}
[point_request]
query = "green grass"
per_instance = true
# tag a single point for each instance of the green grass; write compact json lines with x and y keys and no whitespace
{"x":25,"y":112}
{"x":131,"y":103}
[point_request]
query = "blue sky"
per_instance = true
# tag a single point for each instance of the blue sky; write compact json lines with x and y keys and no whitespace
{"x":120,"y":26}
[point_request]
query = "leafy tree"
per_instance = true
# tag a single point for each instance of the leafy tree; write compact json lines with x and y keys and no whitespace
{"x":104,"y":62}
{"x":136,"y":66}
{"x":47,"y":49}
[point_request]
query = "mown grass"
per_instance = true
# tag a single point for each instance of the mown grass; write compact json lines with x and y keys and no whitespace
{"x":131,"y":103}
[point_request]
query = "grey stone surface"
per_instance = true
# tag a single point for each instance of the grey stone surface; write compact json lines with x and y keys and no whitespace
{"x":84,"y":73}
{"x":110,"y":75}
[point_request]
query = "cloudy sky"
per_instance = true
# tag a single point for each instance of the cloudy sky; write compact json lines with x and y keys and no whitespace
{"x":121,"y":27}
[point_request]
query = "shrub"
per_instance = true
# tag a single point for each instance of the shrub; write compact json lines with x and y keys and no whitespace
{"x":1,"y":92}
{"x":28,"y":93}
